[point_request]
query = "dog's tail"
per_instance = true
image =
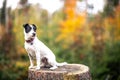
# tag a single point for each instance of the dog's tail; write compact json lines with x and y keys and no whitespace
{"x":61,"y":64}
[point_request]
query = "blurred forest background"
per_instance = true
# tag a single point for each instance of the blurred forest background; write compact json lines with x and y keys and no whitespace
{"x":73,"y":36}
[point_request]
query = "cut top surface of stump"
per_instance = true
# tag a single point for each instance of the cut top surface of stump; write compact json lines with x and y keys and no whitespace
{"x":66,"y":68}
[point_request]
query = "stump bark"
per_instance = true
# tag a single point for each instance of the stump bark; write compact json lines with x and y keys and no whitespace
{"x":66,"y":72}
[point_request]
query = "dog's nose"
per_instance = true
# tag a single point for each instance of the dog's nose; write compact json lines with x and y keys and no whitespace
{"x":34,"y":34}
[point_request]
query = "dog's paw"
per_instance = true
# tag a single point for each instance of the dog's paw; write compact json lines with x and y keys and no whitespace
{"x":30,"y":67}
{"x":54,"y":67}
{"x":37,"y":68}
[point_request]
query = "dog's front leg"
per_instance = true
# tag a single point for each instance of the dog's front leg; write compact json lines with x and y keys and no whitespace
{"x":38,"y":60}
{"x":31,"y":61}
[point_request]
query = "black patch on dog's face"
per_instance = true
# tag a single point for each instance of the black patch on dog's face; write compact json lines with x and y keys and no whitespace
{"x":34,"y":27}
{"x":27,"y":28}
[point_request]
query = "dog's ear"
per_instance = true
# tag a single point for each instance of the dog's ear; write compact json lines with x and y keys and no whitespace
{"x":34,"y":26}
{"x":24,"y":25}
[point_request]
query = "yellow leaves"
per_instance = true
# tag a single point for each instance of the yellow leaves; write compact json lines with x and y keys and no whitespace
{"x":70,"y":27}
{"x":70,"y":13}
{"x":81,"y":19}
{"x":69,"y":8}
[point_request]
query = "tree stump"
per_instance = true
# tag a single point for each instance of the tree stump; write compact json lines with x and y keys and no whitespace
{"x":66,"y":72}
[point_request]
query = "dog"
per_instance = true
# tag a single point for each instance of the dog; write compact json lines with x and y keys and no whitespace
{"x":38,"y":50}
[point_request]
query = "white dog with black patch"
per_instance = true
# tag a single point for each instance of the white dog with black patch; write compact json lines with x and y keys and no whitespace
{"x":38,"y":50}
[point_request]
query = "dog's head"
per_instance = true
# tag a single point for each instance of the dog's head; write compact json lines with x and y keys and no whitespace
{"x":29,"y":31}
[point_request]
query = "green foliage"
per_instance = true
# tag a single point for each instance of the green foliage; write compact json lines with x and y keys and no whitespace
{"x":10,"y":70}
{"x":112,"y":62}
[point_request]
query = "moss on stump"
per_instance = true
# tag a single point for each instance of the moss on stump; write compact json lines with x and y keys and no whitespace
{"x":66,"y":72}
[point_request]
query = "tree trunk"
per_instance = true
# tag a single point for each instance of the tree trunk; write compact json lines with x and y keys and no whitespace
{"x":66,"y":72}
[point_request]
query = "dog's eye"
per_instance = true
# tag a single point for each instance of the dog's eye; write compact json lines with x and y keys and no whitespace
{"x":34,"y":28}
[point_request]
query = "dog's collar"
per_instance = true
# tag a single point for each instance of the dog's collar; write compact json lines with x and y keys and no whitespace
{"x":30,"y":40}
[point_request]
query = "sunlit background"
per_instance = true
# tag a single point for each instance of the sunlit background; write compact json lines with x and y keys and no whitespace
{"x":77,"y":31}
